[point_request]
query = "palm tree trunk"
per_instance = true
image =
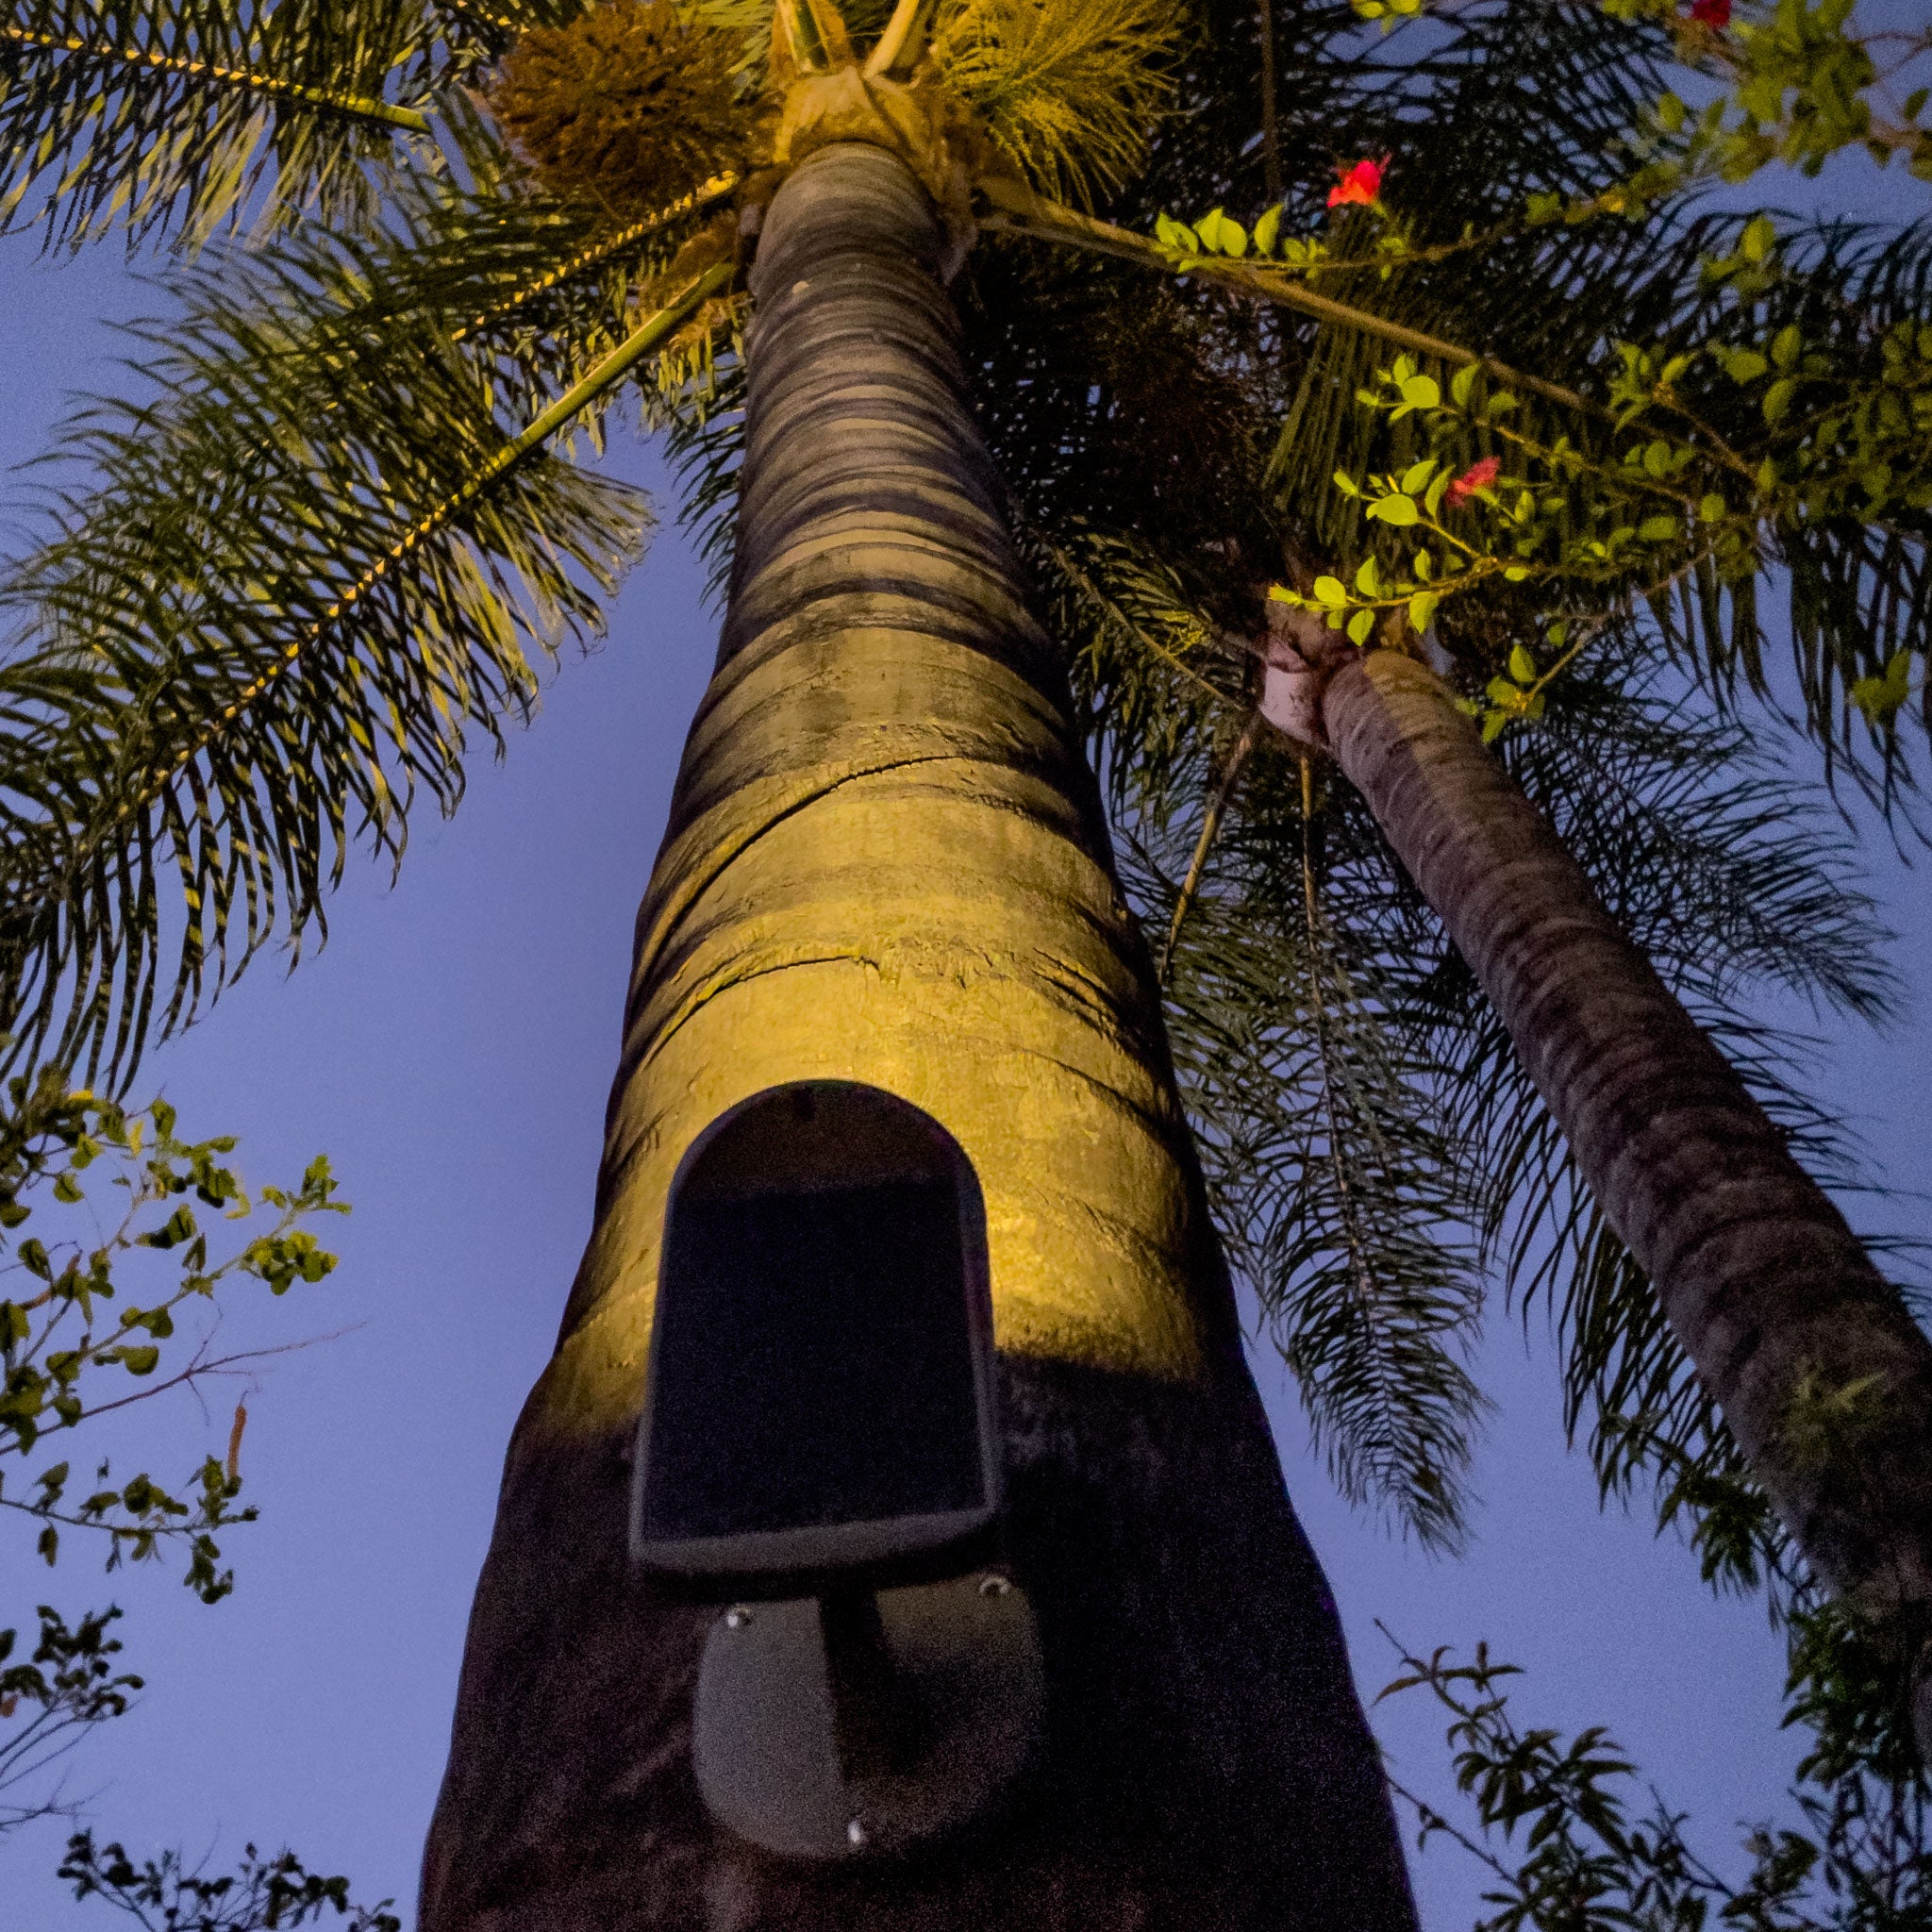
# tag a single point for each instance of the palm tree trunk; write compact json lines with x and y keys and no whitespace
{"x":886,"y":861}
{"x":1822,"y":1373}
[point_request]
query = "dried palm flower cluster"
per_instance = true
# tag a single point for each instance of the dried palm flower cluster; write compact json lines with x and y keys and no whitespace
{"x":629,"y":105}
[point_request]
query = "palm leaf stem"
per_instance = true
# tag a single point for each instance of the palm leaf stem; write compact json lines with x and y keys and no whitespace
{"x":574,"y":400}
{"x":358,"y":106}
{"x":903,"y":44}
{"x":1019,"y":209}
{"x":1210,"y":826}
{"x":1099,"y":599}
{"x":831,"y":30}
{"x":595,"y":256}
{"x":790,"y":44}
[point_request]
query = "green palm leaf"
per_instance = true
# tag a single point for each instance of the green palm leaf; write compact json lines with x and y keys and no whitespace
{"x":300,"y":582}
{"x":183,"y":117}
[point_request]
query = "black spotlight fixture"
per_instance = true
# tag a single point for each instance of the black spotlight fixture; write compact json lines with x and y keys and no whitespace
{"x":819,"y":1453}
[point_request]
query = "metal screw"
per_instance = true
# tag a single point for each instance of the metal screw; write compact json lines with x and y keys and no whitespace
{"x":737,"y":1618}
{"x":855,"y":1833}
{"x":993,"y":1586}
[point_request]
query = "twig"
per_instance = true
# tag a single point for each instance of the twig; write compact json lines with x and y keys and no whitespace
{"x":1211,"y":825}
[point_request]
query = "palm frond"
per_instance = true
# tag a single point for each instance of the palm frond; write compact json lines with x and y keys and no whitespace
{"x":1346,"y":1211}
{"x":704,"y":442}
{"x":1338,"y":1203}
{"x":1069,"y":89}
{"x":300,"y":581}
{"x":1476,"y":109}
{"x":1856,"y":588}
{"x":184,"y":117}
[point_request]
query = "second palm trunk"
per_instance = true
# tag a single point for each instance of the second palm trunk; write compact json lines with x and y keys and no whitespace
{"x":887,"y":863}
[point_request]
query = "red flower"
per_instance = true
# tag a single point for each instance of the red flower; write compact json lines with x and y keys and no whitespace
{"x":1361,"y":183}
{"x":1477,"y":476}
{"x":1711,"y":13}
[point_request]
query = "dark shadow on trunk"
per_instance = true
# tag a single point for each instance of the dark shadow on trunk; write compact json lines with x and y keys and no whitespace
{"x":1206,"y":1765}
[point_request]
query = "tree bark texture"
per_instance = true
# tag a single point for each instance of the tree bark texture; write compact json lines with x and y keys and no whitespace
{"x":886,"y":861}
{"x":1822,"y":1373}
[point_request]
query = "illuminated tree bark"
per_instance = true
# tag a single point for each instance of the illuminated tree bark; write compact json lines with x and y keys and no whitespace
{"x":886,"y":861}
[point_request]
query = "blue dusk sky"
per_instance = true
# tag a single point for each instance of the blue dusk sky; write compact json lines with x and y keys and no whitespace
{"x":450,"y":1049}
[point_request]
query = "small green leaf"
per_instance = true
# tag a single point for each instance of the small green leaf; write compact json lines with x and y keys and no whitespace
{"x":1522,"y":665}
{"x":1421,"y":610}
{"x":1267,"y":230}
{"x":1361,"y":625}
{"x":1416,"y":477}
{"x":1346,"y":484}
{"x":1462,"y":384}
{"x":1658,"y":529}
{"x":1331,"y":592}
{"x":1399,"y":510}
{"x":178,"y":1227}
{"x":1421,"y":393}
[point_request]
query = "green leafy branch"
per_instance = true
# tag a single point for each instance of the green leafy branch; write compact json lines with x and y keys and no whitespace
{"x":264,"y":1895}
{"x":1855,"y":1859}
{"x":1802,"y":82}
{"x":58,"y":1340}
{"x":71,"y":1683}
{"x":1012,"y":205}
{"x":1604,"y":523}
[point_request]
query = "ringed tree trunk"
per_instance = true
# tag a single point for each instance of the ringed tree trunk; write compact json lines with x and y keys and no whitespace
{"x":886,"y":862}
{"x":1822,"y":1374}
